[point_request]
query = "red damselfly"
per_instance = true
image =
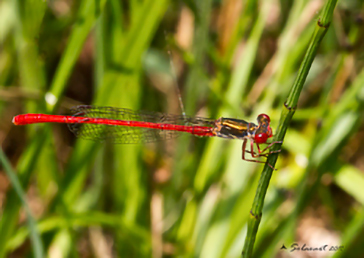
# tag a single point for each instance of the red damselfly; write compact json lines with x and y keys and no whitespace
{"x":121,"y":125}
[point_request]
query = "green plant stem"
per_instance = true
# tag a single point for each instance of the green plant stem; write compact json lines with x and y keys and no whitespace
{"x":286,"y":116}
{"x":34,"y":235}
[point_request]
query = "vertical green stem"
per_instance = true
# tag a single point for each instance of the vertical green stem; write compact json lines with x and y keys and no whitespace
{"x":286,"y":116}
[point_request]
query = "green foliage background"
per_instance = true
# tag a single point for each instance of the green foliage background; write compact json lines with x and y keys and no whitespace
{"x":188,"y":197}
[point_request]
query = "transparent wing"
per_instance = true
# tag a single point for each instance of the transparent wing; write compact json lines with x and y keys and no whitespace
{"x":128,"y":134}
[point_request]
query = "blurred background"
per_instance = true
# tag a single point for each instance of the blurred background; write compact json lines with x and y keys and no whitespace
{"x":185,"y":197}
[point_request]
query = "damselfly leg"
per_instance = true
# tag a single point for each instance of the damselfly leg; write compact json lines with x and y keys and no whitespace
{"x":260,"y":152}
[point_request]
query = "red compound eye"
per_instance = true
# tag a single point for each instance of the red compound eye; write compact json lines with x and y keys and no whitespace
{"x":261,"y":138}
{"x":264,"y":117}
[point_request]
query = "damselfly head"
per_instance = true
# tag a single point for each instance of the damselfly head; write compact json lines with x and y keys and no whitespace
{"x":264,"y":131}
{"x":263,"y":118}
{"x":261,"y":138}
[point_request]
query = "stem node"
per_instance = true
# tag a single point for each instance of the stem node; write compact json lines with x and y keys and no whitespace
{"x":319,"y":23}
{"x":289,"y":107}
{"x":257,"y":217}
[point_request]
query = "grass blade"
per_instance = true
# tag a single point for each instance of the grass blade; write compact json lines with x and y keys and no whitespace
{"x":34,"y":235}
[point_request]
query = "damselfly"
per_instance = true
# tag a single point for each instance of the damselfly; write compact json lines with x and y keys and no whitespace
{"x":121,"y":125}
